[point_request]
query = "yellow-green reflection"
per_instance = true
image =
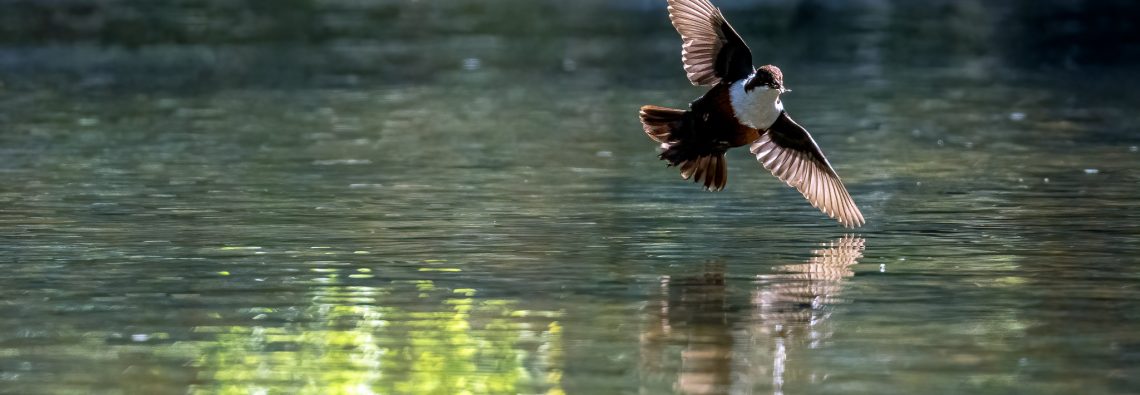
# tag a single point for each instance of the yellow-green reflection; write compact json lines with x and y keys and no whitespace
{"x":409,"y":337}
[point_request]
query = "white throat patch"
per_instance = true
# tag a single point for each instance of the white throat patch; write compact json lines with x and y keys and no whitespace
{"x":758,"y":108}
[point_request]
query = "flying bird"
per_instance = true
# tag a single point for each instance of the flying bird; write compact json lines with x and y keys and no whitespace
{"x":741,"y":107}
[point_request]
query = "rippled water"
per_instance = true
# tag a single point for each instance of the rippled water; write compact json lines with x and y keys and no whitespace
{"x":491,"y":232}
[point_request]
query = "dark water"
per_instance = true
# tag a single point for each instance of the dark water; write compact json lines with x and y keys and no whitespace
{"x":478,"y":225}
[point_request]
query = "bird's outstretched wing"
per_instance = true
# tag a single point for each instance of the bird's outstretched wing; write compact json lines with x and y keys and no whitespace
{"x":711,"y":50}
{"x":788,"y":151}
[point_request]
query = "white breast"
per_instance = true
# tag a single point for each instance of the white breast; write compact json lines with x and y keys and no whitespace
{"x":758,"y":108}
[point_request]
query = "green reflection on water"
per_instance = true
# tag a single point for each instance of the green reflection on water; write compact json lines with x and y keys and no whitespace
{"x":458,"y":344}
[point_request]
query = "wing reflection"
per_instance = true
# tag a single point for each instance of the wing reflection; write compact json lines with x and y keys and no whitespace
{"x":723,"y":349}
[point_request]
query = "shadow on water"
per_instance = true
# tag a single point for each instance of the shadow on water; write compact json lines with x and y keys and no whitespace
{"x":729,"y":345}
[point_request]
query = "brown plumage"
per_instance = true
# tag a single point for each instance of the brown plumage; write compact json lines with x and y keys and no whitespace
{"x":742,"y":107}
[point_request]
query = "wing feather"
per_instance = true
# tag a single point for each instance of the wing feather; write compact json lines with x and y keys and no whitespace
{"x":711,"y":50}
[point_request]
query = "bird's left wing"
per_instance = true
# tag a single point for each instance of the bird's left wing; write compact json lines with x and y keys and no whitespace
{"x":711,"y":49}
{"x":787,"y":150}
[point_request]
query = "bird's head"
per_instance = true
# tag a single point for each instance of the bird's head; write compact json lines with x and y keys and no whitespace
{"x":767,"y":77}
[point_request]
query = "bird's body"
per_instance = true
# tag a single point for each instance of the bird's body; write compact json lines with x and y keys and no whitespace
{"x":742,"y":107}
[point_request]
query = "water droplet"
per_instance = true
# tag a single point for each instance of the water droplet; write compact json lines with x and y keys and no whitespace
{"x":940,"y":142}
{"x":472,"y":64}
{"x":342,"y":162}
{"x":1016,"y":116}
{"x":140,"y":337}
{"x":365,"y":186}
{"x":88,"y":121}
{"x":1092,"y":171}
{"x":604,"y":154}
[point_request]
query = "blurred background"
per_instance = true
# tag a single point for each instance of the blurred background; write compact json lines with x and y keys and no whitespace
{"x":455,"y":197}
{"x":201,"y":43}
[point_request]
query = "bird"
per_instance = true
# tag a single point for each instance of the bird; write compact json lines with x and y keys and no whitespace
{"x":741,"y":107}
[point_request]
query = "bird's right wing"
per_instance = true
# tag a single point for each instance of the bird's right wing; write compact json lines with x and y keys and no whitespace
{"x":711,"y":49}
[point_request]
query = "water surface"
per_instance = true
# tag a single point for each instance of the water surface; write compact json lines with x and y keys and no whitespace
{"x":485,"y":226}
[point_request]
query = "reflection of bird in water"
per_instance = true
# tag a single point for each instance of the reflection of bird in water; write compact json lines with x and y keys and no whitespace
{"x":691,"y":311}
{"x":724,"y":348}
{"x":789,"y":307}
{"x":798,"y":292}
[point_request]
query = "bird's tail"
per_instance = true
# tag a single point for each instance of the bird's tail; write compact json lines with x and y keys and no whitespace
{"x":668,"y":127}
